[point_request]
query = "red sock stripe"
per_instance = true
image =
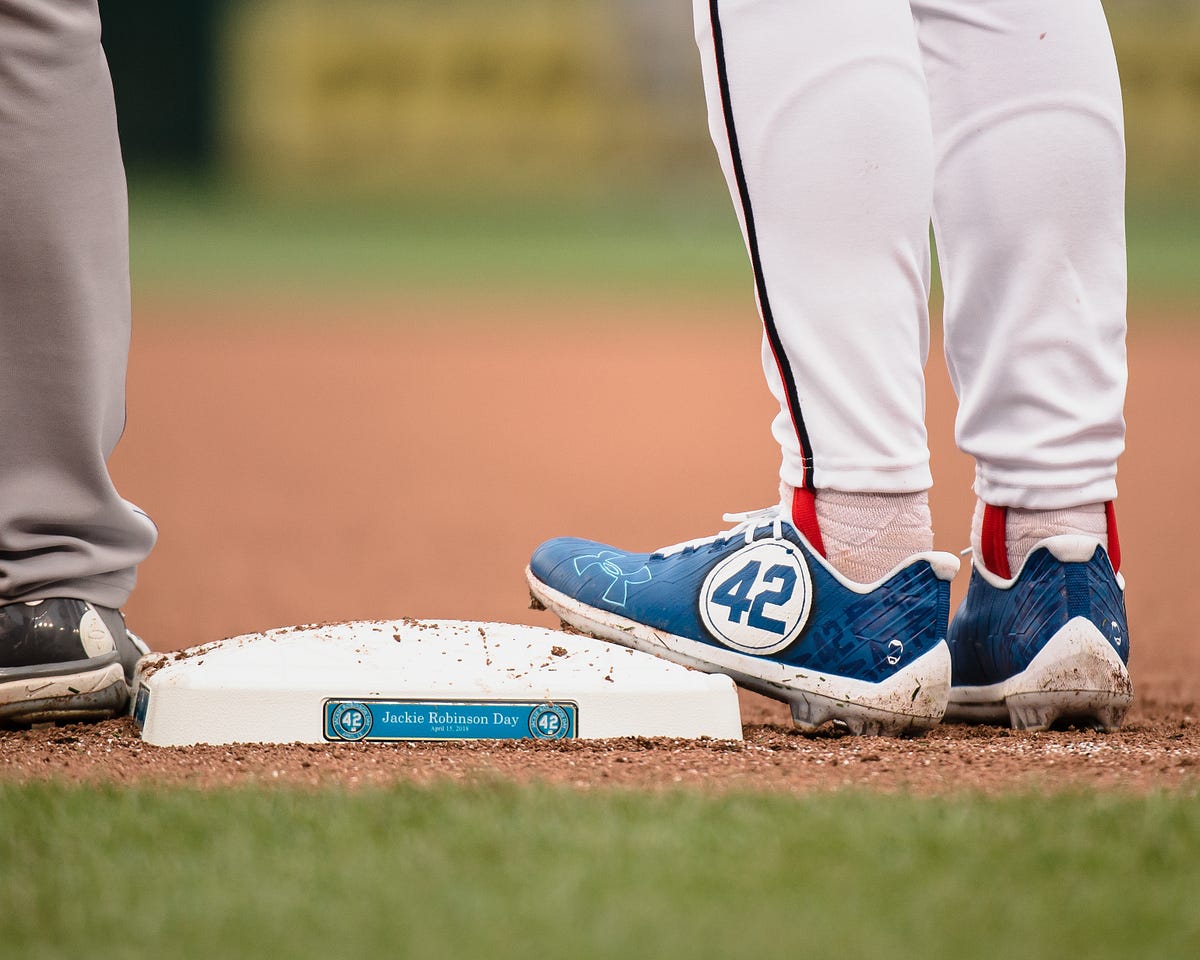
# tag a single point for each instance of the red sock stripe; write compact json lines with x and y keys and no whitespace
{"x":804,"y":517}
{"x":1114,"y":542}
{"x":993,"y":542}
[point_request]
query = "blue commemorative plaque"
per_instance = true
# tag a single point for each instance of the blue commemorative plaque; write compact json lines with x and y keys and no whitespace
{"x":450,"y":720}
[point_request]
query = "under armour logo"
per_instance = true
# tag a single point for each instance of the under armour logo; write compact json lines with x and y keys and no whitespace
{"x":615,"y":565}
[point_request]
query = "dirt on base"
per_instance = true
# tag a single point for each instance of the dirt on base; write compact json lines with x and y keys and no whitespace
{"x":326,"y":466}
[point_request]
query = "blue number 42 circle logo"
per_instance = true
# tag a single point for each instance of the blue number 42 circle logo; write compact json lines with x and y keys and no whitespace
{"x":549,"y":722}
{"x":758,"y":599}
{"x":351,"y":720}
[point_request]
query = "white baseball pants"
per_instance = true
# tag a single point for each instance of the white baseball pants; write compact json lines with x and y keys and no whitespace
{"x":843,"y":130}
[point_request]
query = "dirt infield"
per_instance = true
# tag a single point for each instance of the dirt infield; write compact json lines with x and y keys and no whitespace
{"x":318,"y":468}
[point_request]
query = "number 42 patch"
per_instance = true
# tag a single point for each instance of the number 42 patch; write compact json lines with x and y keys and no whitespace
{"x":758,"y":599}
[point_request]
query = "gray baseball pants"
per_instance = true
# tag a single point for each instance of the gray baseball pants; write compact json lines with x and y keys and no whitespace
{"x":64,"y":312}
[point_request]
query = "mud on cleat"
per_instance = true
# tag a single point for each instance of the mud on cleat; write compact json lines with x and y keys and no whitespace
{"x":759,"y":604}
{"x":64,"y":660}
{"x":1048,"y":646}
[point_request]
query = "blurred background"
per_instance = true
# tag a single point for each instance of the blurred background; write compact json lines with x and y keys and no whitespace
{"x":411,"y":275}
{"x":370,"y":147}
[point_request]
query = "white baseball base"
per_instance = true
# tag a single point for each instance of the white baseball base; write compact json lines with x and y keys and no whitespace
{"x":423,"y":680}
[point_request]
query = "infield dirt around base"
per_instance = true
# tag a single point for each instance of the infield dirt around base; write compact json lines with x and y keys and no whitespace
{"x":1151,"y":753}
{"x":323,"y":468}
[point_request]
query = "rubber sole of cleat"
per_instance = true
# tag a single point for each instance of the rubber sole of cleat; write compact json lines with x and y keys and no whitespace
{"x":1084,"y":708}
{"x":1076,"y":678}
{"x":909,"y":702}
{"x":858,"y":719}
{"x":81,"y":697}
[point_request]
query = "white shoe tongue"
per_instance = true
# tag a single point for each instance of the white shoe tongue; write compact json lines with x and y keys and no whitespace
{"x":95,"y":635}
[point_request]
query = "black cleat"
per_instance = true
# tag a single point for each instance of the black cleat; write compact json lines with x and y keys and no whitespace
{"x":64,"y":660}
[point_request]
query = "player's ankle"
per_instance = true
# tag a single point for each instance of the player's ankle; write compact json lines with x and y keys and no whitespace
{"x":1021,"y":530}
{"x":867,"y":535}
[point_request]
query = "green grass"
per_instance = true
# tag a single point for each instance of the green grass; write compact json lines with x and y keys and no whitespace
{"x":198,"y":242}
{"x":194,"y":242}
{"x":502,"y":871}
{"x":1164,"y":248}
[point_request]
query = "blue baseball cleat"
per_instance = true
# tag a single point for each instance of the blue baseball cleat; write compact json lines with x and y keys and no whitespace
{"x":759,"y":604}
{"x":1049,"y":645}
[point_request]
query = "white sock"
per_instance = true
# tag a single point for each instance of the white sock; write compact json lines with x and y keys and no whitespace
{"x":867,"y":535}
{"x":1024,"y":529}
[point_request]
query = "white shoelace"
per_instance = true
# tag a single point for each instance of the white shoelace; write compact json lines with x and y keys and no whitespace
{"x":745,"y":523}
